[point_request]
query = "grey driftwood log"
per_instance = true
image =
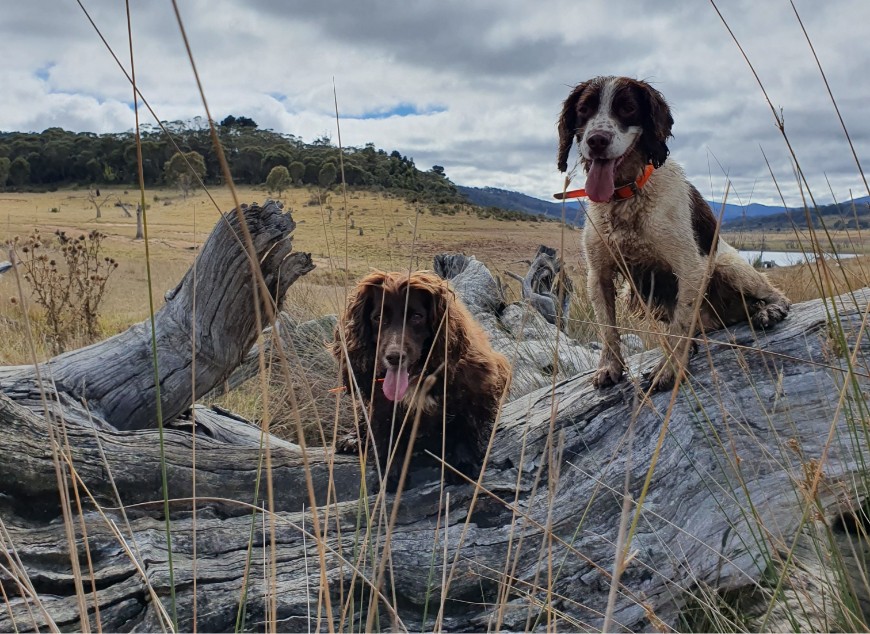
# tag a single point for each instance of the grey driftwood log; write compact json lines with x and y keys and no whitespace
{"x":116,"y":376}
{"x":546,"y":286}
{"x":749,"y":396}
{"x":539,"y":352}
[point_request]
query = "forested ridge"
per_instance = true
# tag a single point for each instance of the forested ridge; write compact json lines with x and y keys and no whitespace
{"x":56,"y":157}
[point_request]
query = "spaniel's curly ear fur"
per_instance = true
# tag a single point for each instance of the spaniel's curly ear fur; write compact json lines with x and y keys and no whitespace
{"x":450,"y":321}
{"x":660,"y":123}
{"x":568,"y":125}
{"x":356,"y":327}
{"x":470,"y":360}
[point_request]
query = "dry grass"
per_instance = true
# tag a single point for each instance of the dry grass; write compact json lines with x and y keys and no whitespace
{"x":387,"y":241}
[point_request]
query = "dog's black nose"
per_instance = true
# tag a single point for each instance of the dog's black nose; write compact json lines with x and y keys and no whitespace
{"x":393,"y":358}
{"x":599,"y":141}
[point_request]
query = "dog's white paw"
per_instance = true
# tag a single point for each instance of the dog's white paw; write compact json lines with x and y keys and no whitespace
{"x":609,"y":372}
{"x":771,"y":313}
{"x":663,"y":376}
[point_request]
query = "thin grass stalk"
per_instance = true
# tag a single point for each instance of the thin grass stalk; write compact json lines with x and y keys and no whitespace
{"x":59,"y":473}
{"x":505,"y":584}
{"x":555,"y":473}
{"x":439,"y":622}
{"x":440,"y":496}
{"x":194,"y":434}
{"x":84,"y":531}
{"x":9,"y":605}
{"x":151,"y":313}
{"x":242,"y":611}
{"x":260,"y":284}
{"x":546,"y":535}
{"x":343,"y":189}
{"x":831,"y":95}
{"x":18,"y":572}
{"x":619,"y":560}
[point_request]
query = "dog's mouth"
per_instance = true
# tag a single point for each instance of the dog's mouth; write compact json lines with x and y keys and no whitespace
{"x":600,"y":183}
{"x":396,"y":382}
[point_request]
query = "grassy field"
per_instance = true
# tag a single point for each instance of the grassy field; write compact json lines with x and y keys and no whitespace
{"x":368,"y":230}
{"x":383,"y":236}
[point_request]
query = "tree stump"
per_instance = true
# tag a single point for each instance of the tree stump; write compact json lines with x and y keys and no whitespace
{"x":116,"y":377}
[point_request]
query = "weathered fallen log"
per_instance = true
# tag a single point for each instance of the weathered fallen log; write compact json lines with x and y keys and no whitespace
{"x":760,"y":415}
{"x":539,"y":352}
{"x":116,"y":376}
{"x":546,"y":286}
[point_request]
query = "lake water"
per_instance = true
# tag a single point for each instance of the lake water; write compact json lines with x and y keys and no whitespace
{"x":787,"y":258}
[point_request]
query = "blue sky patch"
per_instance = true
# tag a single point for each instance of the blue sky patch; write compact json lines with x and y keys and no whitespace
{"x":42,"y":72}
{"x":399,"y":110}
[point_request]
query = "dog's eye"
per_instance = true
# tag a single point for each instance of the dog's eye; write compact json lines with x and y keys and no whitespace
{"x":417,"y":318}
{"x":626,"y":109}
{"x":583,"y":110}
{"x":376,"y":318}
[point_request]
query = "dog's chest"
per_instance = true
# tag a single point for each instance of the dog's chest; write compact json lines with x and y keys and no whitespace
{"x":623,"y":227}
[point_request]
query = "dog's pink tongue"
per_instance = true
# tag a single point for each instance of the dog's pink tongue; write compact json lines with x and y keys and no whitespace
{"x":599,"y":180}
{"x":396,"y":383}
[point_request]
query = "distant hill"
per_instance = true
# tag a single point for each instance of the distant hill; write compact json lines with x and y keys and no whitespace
{"x":752,"y":210}
{"x":753,"y":216}
{"x":835,"y":216}
{"x":515,"y":201}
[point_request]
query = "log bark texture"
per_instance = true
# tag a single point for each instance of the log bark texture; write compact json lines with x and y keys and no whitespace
{"x":748,"y":426}
{"x":116,"y":376}
{"x":546,"y":286}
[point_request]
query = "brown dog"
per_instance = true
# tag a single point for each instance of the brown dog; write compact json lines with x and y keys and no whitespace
{"x":649,"y":224}
{"x":396,"y":331}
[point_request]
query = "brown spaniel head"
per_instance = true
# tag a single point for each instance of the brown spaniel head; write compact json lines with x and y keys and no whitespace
{"x":394,"y":329}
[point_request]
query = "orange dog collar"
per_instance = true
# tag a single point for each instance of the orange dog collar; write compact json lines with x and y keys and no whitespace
{"x":620,"y":193}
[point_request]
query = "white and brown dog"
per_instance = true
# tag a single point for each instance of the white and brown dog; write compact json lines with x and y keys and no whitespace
{"x":647,"y":223}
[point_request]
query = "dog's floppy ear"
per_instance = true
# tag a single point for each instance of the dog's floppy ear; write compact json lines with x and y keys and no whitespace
{"x":359,"y":337}
{"x":568,"y":125}
{"x":446,"y":320}
{"x":659,"y":124}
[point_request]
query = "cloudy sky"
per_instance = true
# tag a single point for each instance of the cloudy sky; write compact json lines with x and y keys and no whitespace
{"x":474,"y":86}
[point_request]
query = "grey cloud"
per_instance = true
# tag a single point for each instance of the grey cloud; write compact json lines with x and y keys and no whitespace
{"x":499,"y":69}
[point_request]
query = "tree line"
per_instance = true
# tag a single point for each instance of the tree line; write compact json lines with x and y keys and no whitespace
{"x":56,"y":157}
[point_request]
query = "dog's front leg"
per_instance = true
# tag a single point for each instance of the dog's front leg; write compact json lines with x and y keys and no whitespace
{"x":682,"y":328}
{"x":602,"y":292}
